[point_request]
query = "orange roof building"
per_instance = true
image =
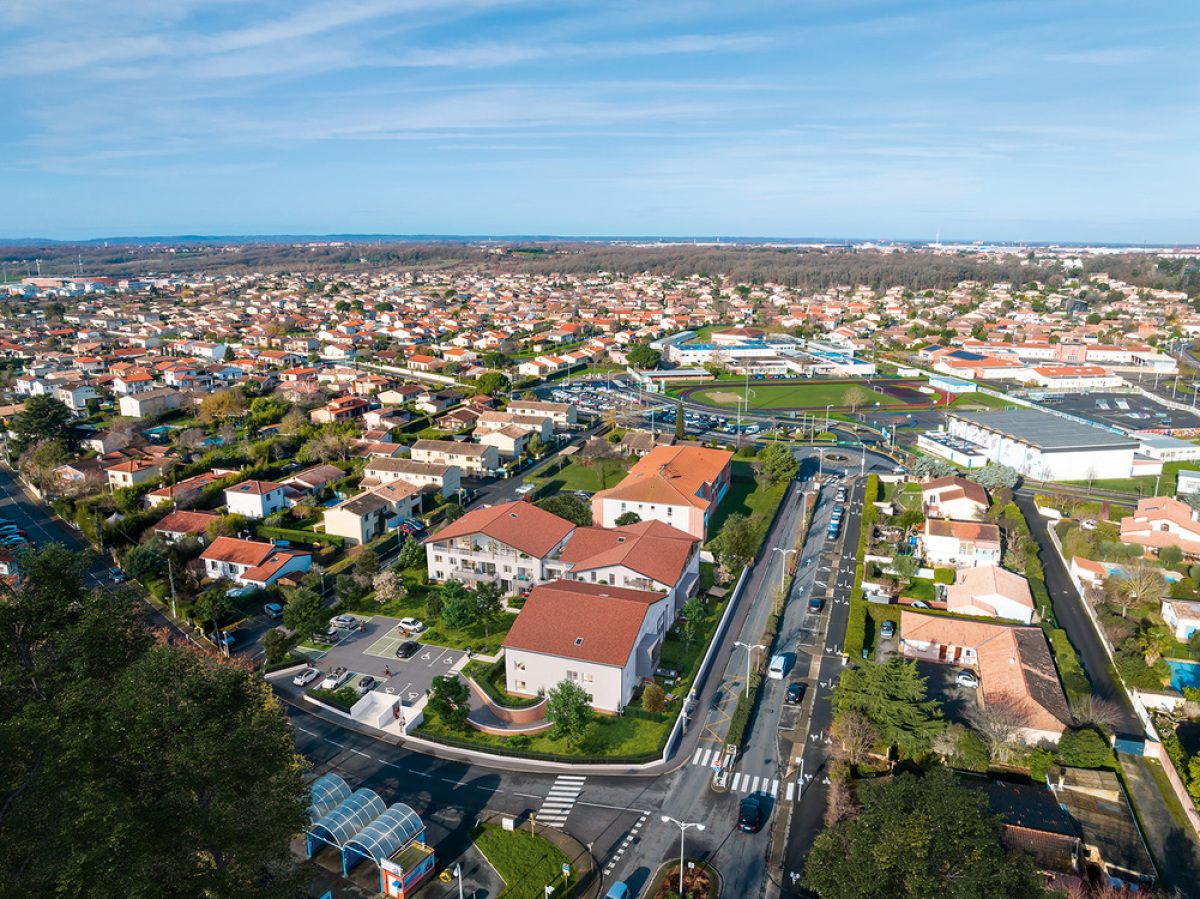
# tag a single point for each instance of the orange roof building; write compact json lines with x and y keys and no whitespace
{"x":677,"y":485}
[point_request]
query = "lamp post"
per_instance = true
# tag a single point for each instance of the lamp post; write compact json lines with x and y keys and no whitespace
{"x":683,"y":828}
{"x":827,"y":408}
{"x":750,"y":647}
{"x":458,"y":877}
{"x":783,"y":570}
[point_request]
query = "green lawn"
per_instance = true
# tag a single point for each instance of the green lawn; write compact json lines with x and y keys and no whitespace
{"x":1140,"y":486}
{"x":528,"y":863}
{"x":575,"y":476}
{"x":745,"y":497}
{"x":969,"y":400}
{"x":920,"y":588}
{"x":805,"y":395}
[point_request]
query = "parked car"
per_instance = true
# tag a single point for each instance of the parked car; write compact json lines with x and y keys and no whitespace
{"x":329,"y":637}
{"x":750,"y":815}
{"x":344,"y":621}
{"x":117,"y":575}
{"x":335,"y":679}
{"x":407,"y":649}
{"x":273,"y":610}
{"x":814,"y":603}
{"x":412,"y":625}
{"x":920,"y":604}
{"x":887,"y":630}
{"x":306,"y":677}
{"x":223,"y":638}
{"x":617,"y":891}
{"x":366,"y":685}
{"x":795,"y":693}
{"x":967,"y":679}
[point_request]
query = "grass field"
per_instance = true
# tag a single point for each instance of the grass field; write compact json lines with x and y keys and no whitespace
{"x":982,"y":400}
{"x":574,"y":476}
{"x":1143,"y":486}
{"x":527,"y":863}
{"x":765,"y":395}
{"x":745,"y":497}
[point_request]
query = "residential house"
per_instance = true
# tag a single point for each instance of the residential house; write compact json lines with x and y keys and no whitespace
{"x":1013,"y":661}
{"x":186,"y":491}
{"x":424,"y":474}
{"x":131,"y":472}
{"x":677,"y":485}
{"x":75,"y":396}
{"x":511,"y":543}
{"x":312,"y":480}
{"x":149,"y":403}
{"x":358,"y":519}
{"x":639,"y":443}
{"x":961,"y":544}
{"x":182,"y":524}
{"x":955,"y":498}
{"x":564,"y":415}
{"x":252,"y":563}
{"x":468,"y":457}
{"x":1033,"y":823}
{"x":542,"y":425}
{"x":604,"y":638}
{"x":344,"y":409}
{"x":1160,"y":521}
{"x":1182,"y":616}
{"x":511,"y":442}
{"x":991,"y":592}
{"x":433,"y":402}
{"x":135,"y":381}
{"x":255,"y":499}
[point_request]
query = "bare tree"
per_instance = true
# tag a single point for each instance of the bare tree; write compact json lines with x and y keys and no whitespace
{"x":999,"y":723}
{"x":855,"y":397}
{"x":841,"y":802}
{"x":853,"y":736}
{"x":1138,"y":583}
{"x":1095,"y":711}
{"x":1090,"y":475}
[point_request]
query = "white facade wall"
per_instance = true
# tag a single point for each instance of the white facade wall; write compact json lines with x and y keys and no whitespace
{"x":1054,"y":466}
{"x":951,"y":551}
{"x":255,"y":505}
{"x":528,"y":672}
{"x":480,"y":558}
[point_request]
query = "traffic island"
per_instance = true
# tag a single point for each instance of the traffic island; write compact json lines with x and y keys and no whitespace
{"x":530,"y":862}
{"x":700,"y":881}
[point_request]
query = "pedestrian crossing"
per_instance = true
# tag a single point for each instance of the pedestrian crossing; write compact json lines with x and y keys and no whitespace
{"x":560,"y":800}
{"x":740,"y":783}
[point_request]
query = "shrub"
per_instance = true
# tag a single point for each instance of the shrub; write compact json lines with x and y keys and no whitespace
{"x":943,"y":575}
{"x":1085,"y":749}
{"x":970,"y":752}
{"x":1040,"y":760}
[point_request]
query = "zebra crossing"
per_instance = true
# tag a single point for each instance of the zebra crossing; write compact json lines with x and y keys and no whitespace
{"x":560,"y":800}
{"x":740,"y":783}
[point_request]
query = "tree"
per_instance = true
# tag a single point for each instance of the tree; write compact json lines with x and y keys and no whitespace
{"x":160,"y":742}
{"x":305,"y":613}
{"x":456,"y":613}
{"x":275,"y":643}
{"x":737,"y":541}
{"x":853,"y":736}
{"x":449,"y":699}
{"x":1085,"y":749}
{"x":492,"y":383}
{"x":145,"y":558}
{"x":626,"y":518}
{"x":1170,"y":556}
{"x":568,"y":506}
{"x":486,"y":602}
{"x":389,"y":587}
{"x":654,"y":700}
{"x":642,"y":356}
{"x":452,"y":512}
{"x":570,"y":710}
{"x":223,"y":404}
{"x":916,"y":838}
{"x":893,"y":697}
{"x":1093,"y":711}
{"x":42,"y":418}
{"x":778,"y":463}
{"x":1000,"y":723}
{"x":537,"y":446}
{"x":680,"y":424}
{"x":412,"y":554}
{"x":994,"y":477}
{"x":693,"y":613}
{"x":366,"y":566}
{"x":929,"y":466}
{"x":905,"y":567}
{"x":855,"y":397}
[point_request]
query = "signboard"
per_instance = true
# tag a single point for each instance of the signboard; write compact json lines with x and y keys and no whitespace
{"x":506,"y":823}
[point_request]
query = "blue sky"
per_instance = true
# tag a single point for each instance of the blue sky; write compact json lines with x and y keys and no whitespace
{"x":1051,"y":120}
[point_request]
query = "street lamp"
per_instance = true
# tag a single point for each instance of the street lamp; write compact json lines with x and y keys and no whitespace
{"x":783,"y":571}
{"x":458,"y":877}
{"x":827,"y":408}
{"x":750,"y":647}
{"x":683,"y":827}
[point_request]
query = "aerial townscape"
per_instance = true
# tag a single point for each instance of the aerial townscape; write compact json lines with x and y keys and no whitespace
{"x":439,"y":461}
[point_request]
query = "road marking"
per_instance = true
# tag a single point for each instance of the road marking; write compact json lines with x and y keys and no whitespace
{"x":703,"y":756}
{"x":774,"y":787}
{"x":363,"y":754}
{"x":737,"y":782}
{"x":334,"y":742}
{"x":560,"y":800}
{"x":791,"y":791}
{"x":754,"y":786}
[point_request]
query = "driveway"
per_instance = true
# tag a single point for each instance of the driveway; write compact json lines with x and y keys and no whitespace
{"x":372,"y":648}
{"x":957,"y":702}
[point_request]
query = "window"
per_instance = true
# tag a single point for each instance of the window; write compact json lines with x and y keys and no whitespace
{"x":587,"y":679}
{"x":518,"y":666}
{"x":670,"y":509}
{"x":437,"y":558}
{"x":572,"y":675}
{"x":519,"y":686}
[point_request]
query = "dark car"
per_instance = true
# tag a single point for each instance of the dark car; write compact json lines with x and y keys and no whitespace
{"x":750,"y":815}
{"x":795,"y":692}
{"x":407,"y":649}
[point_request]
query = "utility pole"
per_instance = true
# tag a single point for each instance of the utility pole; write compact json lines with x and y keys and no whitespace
{"x":171,"y":576}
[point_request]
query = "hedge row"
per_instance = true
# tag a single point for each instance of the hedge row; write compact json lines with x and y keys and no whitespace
{"x":856,"y":626}
{"x":300,"y":536}
{"x":1070,"y":671}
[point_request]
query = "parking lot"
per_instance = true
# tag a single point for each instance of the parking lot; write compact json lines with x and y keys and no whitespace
{"x":372,"y":648}
{"x":1124,"y":410}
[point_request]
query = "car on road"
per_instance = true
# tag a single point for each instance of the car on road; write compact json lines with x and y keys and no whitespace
{"x":407,"y":649}
{"x":967,"y":679}
{"x":344,"y":621}
{"x":795,"y":693}
{"x":366,"y":685}
{"x":412,"y":625}
{"x":306,"y":677}
{"x":750,"y":815}
{"x":887,"y":630}
{"x":778,"y":667}
{"x":117,"y":575}
{"x":273,"y":610}
{"x":524,"y":489}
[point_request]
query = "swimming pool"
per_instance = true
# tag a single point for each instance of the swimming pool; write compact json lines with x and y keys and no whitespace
{"x":1184,"y":674}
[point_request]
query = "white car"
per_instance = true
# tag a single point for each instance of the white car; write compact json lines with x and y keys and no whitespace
{"x":344,"y":621}
{"x":412,"y":624}
{"x":335,"y":679}
{"x":524,"y":489}
{"x":306,"y":677}
{"x":967,"y":679}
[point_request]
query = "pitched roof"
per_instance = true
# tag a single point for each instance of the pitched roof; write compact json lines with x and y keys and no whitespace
{"x":973,"y":583}
{"x":671,"y":475}
{"x":953,"y":487}
{"x":254,"y":488}
{"x":977,"y":531}
{"x":649,"y":548}
{"x":523,"y":526}
{"x":588,"y":622}
{"x":183,"y":522}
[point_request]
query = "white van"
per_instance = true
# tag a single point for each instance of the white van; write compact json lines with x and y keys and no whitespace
{"x":778,"y":668}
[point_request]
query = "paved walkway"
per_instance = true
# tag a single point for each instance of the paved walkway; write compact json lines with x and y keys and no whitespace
{"x":1171,"y":840}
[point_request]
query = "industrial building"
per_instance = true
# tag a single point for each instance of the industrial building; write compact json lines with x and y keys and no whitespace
{"x":1039,"y":445}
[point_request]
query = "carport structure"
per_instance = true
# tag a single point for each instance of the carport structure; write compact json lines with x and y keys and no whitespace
{"x":393,"y":830}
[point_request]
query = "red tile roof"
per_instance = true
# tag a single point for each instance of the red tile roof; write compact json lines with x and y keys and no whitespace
{"x":522,"y":526}
{"x":649,"y":548}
